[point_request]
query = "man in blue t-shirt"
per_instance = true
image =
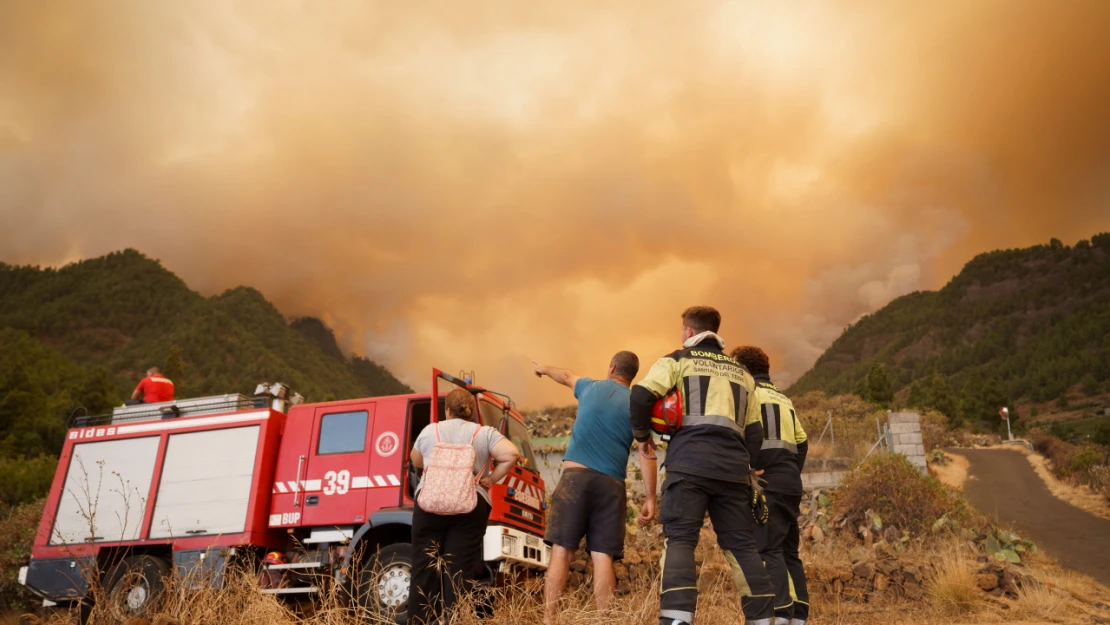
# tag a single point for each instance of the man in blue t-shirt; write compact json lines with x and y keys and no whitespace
{"x":590,"y":499}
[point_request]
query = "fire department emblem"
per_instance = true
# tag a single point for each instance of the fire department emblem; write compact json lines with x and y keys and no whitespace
{"x":387,"y":444}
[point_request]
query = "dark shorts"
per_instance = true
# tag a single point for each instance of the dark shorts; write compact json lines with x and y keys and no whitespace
{"x":590,"y":504}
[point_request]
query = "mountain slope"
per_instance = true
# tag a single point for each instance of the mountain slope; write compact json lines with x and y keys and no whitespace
{"x":1021,"y":325}
{"x":314,"y":331}
{"x":126,"y":312}
{"x":82,"y":336}
{"x":39,"y":387}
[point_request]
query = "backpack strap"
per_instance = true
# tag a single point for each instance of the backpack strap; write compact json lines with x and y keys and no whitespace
{"x":436,"y":424}
{"x":478,"y":477}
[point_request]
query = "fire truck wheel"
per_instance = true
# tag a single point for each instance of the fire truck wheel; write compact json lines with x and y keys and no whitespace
{"x":383,"y":584}
{"x":135,"y":586}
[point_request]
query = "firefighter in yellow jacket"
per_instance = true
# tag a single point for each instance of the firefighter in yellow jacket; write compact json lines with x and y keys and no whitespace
{"x":707,"y":467}
{"x":781,"y":459}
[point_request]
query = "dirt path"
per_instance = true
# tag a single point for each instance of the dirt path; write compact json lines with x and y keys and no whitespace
{"x":1002,"y":484}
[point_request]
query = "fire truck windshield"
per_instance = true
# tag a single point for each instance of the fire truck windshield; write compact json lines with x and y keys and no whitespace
{"x":513,"y":430}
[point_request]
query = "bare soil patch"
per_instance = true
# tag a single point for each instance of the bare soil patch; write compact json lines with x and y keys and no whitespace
{"x":952,"y":474}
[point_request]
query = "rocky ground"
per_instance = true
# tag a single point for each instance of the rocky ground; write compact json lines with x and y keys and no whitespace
{"x":856,"y":562}
{"x":551,"y":422}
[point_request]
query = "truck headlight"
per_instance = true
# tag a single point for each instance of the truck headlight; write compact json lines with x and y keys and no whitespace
{"x":508,"y":545}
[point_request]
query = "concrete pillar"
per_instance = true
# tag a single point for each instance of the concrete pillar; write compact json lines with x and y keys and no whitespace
{"x":905,"y":428}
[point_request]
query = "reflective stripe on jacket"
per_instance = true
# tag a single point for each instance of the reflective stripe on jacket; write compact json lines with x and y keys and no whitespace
{"x":783,"y":452}
{"x":721,"y":415}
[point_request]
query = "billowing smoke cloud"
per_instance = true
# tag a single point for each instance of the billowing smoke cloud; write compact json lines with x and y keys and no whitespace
{"x":472,"y":185}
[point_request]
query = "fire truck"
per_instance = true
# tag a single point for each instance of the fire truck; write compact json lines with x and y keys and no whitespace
{"x":184,"y":488}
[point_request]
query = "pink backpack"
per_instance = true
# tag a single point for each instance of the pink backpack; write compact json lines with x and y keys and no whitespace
{"x":449,"y":483}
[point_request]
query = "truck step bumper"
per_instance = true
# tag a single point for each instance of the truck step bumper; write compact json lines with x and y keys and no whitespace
{"x":508,"y":544}
{"x":290,"y":591}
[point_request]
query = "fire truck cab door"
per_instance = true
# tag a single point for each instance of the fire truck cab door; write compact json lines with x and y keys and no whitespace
{"x":336,"y":478}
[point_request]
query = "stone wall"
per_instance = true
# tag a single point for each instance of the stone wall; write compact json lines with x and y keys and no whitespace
{"x":905,"y":435}
{"x":824,"y":473}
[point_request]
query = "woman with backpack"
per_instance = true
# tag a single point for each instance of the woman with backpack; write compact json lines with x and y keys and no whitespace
{"x":452,"y":504}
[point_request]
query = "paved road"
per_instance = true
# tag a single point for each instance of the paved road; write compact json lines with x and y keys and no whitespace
{"x":1003,"y":484}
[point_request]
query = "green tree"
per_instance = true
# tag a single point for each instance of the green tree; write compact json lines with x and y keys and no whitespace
{"x":973,"y":401}
{"x":25,"y":479}
{"x":879,"y":390}
{"x":174,"y":369}
{"x":1101,"y":435}
{"x":943,"y":399}
{"x":1062,"y":431}
{"x":861,"y":388}
{"x":918,"y":397}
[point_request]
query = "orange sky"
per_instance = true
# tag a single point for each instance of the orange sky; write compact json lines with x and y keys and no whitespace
{"x":473,"y":185}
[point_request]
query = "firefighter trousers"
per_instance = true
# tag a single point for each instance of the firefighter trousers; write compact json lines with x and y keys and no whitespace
{"x":686,"y":499}
{"x":778,"y":546}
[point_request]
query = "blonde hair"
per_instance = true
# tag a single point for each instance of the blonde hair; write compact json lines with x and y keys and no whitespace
{"x":461,"y":404}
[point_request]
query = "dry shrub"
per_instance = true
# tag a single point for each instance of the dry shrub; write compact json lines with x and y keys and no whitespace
{"x":1067,"y":583}
{"x":966,"y":438}
{"x":1036,"y":600}
{"x":902,"y":496}
{"x":1078,"y":464}
{"x":953,"y":590}
{"x":240,"y":602}
{"x":934,"y":430}
{"x":18,"y":525}
{"x":853,"y":421}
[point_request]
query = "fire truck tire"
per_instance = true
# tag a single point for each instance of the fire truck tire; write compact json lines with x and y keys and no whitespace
{"x":383,"y":583}
{"x":135,"y":586}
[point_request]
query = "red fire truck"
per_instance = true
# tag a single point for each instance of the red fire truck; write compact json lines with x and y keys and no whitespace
{"x":186,"y":487}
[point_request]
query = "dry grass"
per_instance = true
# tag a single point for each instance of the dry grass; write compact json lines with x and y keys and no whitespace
{"x":954,"y":473}
{"x":824,"y":449}
{"x":1053,"y":594}
{"x":1039,"y":601}
{"x":953,"y":590}
{"x":1078,"y":496}
{"x":1083,"y":589}
{"x":952,"y":598}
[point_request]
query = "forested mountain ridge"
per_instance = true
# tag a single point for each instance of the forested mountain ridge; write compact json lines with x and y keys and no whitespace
{"x":83,"y":335}
{"x":1015,"y":326}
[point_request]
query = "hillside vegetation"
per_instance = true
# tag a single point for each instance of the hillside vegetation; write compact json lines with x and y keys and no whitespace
{"x":82,"y":336}
{"x":1020,"y":326}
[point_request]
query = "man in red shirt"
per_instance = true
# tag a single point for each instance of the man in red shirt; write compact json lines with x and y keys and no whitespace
{"x":153,"y":389}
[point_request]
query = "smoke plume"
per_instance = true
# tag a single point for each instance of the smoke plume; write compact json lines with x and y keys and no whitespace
{"x":474,"y":185}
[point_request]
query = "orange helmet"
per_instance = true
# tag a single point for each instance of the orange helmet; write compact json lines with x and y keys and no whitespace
{"x":666,"y":415}
{"x":274,"y":557}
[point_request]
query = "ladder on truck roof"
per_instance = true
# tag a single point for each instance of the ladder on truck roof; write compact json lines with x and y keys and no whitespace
{"x":192,"y":407}
{"x":277,"y":395}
